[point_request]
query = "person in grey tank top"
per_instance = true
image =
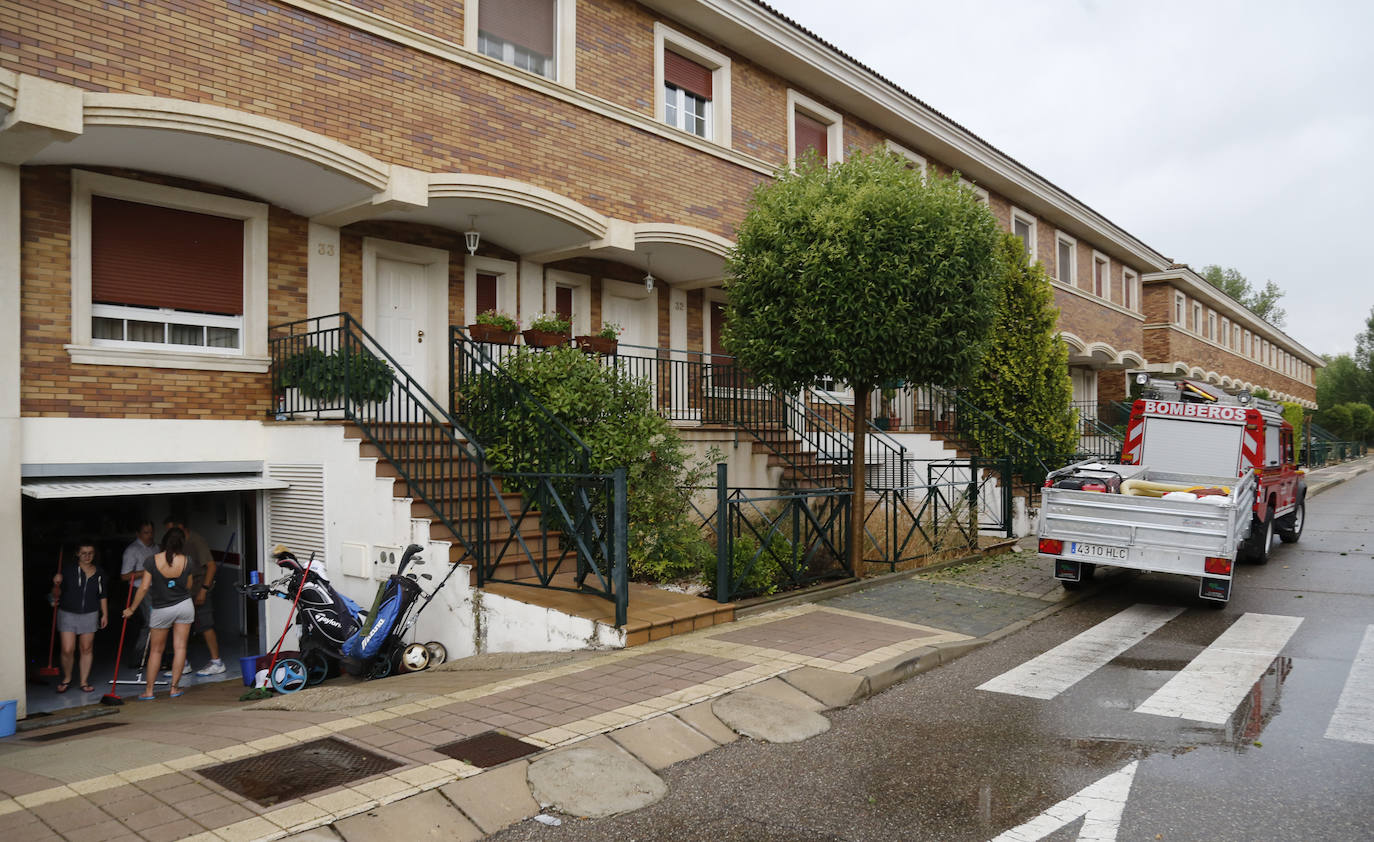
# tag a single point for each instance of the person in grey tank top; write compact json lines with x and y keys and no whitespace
{"x":166,"y":586}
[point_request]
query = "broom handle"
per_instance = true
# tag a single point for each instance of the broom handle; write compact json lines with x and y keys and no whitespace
{"x":119,"y":652}
{"x":52,"y":637}
{"x":290,"y":618}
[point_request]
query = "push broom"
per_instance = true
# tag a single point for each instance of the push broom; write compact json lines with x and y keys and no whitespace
{"x":112,"y":698}
{"x":50,"y":671}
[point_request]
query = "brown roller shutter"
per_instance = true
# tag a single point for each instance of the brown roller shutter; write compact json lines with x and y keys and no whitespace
{"x":810,"y":134}
{"x":563,"y":303}
{"x":686,"y":74}
{"x":528,"y":23}
{"x":486,"y":292}
{"x":149,"y":256}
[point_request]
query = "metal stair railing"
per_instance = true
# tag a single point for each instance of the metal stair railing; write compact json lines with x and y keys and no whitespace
{"x":892,"y":462}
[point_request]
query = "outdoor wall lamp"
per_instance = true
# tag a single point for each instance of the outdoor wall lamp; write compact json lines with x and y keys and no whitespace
{"x":472,"y":236}
{"x":649,"y":272}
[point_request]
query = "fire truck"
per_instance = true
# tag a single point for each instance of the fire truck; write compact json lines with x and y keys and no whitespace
{"x":1206,"y":479}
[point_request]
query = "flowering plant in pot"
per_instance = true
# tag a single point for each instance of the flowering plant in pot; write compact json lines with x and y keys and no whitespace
{"x":494,"y":326}
{"x":604,"y":341}
{"x":547,"y":330}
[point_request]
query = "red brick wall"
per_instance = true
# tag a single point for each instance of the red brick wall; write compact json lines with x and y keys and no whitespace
{"x":1172,"y":344}
{"x":1094,"y":322}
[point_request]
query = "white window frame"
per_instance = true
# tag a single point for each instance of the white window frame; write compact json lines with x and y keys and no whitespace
{"x":918,"y":161}
{"x":718,"y":127}
{"x":834,"y":126}
{"x":251,"y":355}
{"x":1029,"y":220}
{"x":581,"y":286}
{"x":1197,"y":318}
{"x":1099,"y":257}
{"x":564,"y":40}
{"x":979,"y":193}
{"x":1130,"y":288}
{"x":1211,"y":325}
{"x":1061,"y":238}
{"x":507,"y":274}
{"x":167,"y":317}
{"x":1181,"y":310}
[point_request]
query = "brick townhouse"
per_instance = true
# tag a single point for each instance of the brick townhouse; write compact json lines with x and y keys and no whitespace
{"x":179,"y":176}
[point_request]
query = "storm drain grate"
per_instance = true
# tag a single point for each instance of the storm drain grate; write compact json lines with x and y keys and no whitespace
{"x":72,"y":732}
{"x":297,"y":771}
{"x":490,"y":748}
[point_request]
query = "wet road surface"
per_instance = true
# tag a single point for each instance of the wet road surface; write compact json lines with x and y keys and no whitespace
{"x":935,"y":758}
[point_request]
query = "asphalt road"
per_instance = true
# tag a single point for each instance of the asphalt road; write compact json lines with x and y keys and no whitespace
{"x":936,"y":758}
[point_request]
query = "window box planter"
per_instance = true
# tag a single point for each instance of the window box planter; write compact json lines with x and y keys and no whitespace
{"x":598,"y":344}
{"x":543,"y":338}
{"x":493,"y":334}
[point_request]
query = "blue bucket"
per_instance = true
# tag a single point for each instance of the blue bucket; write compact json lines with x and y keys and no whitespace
{"x":248,"y":665}
{"x":8,"y":709}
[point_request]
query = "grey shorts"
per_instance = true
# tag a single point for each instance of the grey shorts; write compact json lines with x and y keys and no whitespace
{"x":88,"y":623}
{"x":163,"y":618}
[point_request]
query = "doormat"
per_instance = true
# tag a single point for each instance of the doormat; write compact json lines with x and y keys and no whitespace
{"x":490,"y":748}
{"x":297,"y":771}
{"x":72,"y":732}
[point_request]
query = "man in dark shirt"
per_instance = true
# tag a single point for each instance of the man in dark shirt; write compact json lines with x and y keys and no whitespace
{"x":139,"y":550}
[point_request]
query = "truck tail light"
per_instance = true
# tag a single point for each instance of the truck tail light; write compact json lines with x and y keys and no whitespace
{"x":1094,"y":486}
{"x":1051,"y":546}
{"x":1217,"y":566}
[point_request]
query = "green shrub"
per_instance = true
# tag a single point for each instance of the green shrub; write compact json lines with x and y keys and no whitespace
{"x":322,"y":377}
{"x":763,"y":572}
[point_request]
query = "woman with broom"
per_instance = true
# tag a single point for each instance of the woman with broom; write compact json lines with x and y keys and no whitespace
{"x":166,"y":582}
{"x":81,"y":612}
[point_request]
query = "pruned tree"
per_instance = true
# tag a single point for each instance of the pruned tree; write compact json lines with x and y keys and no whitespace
{"x":865,"y":272}
{"x":1023,"y":378}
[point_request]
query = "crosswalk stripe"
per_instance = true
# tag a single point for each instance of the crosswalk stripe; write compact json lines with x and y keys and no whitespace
{"x":1215,"y":682}
{"x":1055,"y":671}
{"x":1353,"y":720}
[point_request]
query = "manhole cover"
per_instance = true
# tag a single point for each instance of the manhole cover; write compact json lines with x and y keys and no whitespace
{"x":487,"y":749}
{"x":71,"y":732}
{"x":297,"y":771}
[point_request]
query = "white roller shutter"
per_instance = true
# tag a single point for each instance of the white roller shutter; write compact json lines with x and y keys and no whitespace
{"x":295,"y":515}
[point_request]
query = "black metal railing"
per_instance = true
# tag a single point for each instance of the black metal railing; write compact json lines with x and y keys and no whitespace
{"x":886,"y":456}
{"x":330,"y":367}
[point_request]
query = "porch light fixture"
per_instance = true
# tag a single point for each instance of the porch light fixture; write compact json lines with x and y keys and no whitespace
{"x":472,"y":236}
{"x":649,"y":272}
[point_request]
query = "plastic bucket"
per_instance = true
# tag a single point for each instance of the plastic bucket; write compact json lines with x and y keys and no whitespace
{"x":8,"y":709}
{"x":248,"y":666}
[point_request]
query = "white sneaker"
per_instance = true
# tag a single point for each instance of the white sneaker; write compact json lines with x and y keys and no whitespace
{"x":212,"y":668}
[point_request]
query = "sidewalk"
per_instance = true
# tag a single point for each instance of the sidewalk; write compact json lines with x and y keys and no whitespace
{"x":331,"y":762}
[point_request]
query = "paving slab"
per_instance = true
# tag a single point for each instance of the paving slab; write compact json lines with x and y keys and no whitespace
{"x":428,"y":815}
{"x":832,"y":689}
{"x":786,"y":694}
{"x":765,"y":718}
{"x":594,"y":782}
{"x":662,"y":741}
{"x":699,"y":716}
{"x":496,"y":798}
{"x":316,"y":834}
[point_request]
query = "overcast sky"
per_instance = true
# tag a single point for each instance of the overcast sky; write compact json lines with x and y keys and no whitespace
{"x":1235,"y":133}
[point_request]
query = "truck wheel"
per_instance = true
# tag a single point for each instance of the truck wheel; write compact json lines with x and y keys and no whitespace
{"x":1290,"y":526}
{"x":1261,"y":536}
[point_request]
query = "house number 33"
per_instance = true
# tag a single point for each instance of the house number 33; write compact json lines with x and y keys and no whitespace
{"x":325,"y":248}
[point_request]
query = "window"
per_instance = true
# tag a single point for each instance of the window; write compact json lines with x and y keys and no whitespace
{"x":1129,"y":297}
{"x":914,"y":161}
{"x":1023,"y":226}
{"x":1197,"y":317}
{"x":1180,"y":307}
{"x":166,"y":277}
{"x":488,"y":284}
{"x":1066,"y":258}
{"x":693,"y":86}
{"x":538,"y":36}
{"x":979,"y":193}
{"x":1102,"y":276}
{"x":812,"y":126}
{"x":1225,"y":335}
{"x":1211,"y":332}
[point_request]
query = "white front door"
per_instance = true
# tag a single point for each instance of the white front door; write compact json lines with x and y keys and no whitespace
{"x":635,"y":311}
{"x":401,"y":316}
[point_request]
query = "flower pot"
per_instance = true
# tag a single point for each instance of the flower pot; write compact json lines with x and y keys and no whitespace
{"x":494,"y":334}
{"x":597,"y":344}
{"x":544,"y":338}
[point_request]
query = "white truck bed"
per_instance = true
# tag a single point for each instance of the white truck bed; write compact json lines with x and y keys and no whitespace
{"x":1150,"y":533}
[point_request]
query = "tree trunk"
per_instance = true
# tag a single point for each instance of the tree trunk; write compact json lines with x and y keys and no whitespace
{"x":856,"y":505}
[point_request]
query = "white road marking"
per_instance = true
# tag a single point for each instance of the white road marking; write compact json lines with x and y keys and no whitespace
{"x":1100,"y":804}
{"x":1215,"y":682}
{"x":1353,"y":720}
{"x":1055,"y":671}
